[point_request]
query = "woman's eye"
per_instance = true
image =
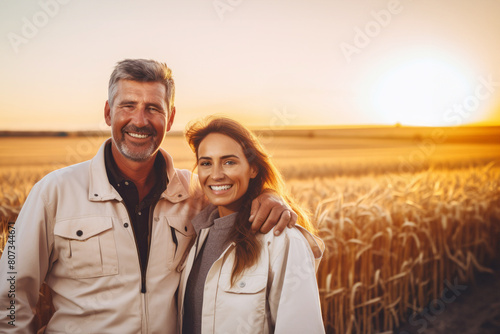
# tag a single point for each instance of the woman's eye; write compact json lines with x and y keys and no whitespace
{"x":204,"y":163}
{"x":230,"y":162}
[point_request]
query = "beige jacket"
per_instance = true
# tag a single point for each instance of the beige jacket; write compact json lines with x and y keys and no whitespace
{"x":277,"y":295}
{"x":75,"y":234}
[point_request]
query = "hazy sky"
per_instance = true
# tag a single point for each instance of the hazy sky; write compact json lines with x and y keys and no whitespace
{"x":264,"y":62}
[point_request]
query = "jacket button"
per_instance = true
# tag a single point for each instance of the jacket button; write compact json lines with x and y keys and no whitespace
{"x":125,"y":225}
{"x":79,"y":233}
{"x":95,"y":195}
{"x":179,"y":195}
{"x":242,"y":284}
{"x":185,"y":228}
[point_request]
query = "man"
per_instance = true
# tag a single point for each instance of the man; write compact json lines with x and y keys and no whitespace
{"x":109,"y":236}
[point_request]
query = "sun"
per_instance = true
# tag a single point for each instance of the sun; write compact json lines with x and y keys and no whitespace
{"x":418,"y":91}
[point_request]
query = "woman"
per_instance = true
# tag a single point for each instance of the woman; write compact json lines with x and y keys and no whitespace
{"x":236,"y":281}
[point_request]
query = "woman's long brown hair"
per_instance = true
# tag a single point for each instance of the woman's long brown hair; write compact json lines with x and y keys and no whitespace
{"x":268,"y":178}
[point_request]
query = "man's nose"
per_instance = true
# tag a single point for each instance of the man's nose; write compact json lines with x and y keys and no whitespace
{"x":139,"y":117}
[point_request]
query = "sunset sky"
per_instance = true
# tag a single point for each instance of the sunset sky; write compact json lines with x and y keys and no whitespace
{"x":265,"y":63}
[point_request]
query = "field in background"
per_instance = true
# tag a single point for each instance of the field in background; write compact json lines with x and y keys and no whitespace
{"x":327,"y":151}
{"x":403,"y":211}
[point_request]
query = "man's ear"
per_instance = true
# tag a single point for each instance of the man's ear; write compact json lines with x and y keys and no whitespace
{"x":171,"y":119}
{"x":107,"y":113}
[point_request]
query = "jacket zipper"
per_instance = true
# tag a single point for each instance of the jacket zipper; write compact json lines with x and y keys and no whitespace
{"x":143,"y":271}
{"x":150,"y":229}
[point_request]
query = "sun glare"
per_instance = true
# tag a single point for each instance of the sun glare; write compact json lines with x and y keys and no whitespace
{"x":418,"y":92}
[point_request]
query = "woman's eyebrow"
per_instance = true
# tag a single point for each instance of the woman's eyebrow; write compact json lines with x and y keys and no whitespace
{"x":223,"y":157}
{"x":229,"y":156}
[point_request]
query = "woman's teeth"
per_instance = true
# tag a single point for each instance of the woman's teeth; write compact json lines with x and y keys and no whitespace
{"x":219,"y":188}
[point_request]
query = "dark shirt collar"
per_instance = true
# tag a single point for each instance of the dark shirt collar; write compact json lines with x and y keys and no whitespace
{"x":112,"y":170}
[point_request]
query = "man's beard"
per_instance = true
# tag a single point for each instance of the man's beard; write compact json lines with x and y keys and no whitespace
{"x":137,"y":155}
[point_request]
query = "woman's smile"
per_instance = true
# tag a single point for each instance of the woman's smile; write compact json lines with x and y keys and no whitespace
{"x":220,"y":188}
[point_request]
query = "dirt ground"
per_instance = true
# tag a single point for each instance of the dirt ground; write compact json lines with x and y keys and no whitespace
{"x":475,"y":311}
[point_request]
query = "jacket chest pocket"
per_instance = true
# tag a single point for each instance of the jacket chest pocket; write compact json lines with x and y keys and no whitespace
{"x":252,"y":281}
{"x":183,"y":236}
{"x":244,"y":302}
{"x":245,"y":285}
{"x":87,"y":247}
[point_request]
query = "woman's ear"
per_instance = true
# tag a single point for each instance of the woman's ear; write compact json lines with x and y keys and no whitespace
{"x":254,"y":170}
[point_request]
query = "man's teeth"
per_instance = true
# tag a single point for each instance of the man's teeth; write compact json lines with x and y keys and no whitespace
{"x":219,"y":188}
{"x":137,"y":135}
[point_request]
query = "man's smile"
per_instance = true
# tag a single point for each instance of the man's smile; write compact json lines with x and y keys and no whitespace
{"x":137,"y":135}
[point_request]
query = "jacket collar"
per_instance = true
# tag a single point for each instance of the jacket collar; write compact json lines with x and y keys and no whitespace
{"x":205,"y":218}
{"x":101,"y":190}
{"x":209,"y":217}
{"x":176,"y":190}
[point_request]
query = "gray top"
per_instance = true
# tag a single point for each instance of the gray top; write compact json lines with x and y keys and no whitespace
{"x":211,"y":250}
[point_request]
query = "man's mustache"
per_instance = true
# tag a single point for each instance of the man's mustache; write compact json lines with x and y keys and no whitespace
{"x":145,"y":130}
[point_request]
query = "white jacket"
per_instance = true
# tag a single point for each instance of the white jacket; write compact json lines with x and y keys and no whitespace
{"x":75,"y":234}
{"x":279,"y":294}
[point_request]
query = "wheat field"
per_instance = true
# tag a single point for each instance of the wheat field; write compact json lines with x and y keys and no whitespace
{"x":395,"y":231}
{"x":393,"y":240}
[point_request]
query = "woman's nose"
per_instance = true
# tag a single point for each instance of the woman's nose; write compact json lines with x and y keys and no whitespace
{"x":217,"y":172}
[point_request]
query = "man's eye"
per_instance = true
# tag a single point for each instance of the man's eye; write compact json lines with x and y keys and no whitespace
{"x":230,"y":162}
{"x":156,"y":110}
{"x":204,"y":163}
{"x":127,"y":107}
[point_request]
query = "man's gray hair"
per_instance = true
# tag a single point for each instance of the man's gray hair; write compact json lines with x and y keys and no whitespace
{"x":142,"y":70}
